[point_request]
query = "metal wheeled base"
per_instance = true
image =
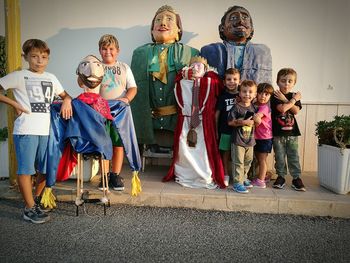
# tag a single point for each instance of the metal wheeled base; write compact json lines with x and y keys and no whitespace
{"x":86,"y":200}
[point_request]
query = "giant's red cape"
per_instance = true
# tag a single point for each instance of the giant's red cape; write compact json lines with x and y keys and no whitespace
{"x":208,"y":118}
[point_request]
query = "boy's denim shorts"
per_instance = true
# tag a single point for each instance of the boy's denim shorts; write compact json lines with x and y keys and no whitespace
{"x":263,"y":146}
{"x":31,"y":153}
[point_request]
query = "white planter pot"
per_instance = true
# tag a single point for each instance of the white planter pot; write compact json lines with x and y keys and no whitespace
{"x":334,"y":168}
{"x":4,"y":159}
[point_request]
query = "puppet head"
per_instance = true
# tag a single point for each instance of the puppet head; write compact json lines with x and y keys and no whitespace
{"x":198,"y":67}
{"x":90,"y":73}
{"x":236,"y":25}
{"x":166,"y":26}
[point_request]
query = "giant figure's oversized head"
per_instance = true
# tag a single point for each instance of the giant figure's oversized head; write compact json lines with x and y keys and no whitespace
{"x":90,"y":72}
{"x":236,"y":25}
{"x":166,"y":26}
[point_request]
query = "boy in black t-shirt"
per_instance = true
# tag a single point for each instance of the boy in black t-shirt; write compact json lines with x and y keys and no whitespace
{"x":284,"y":106}
{"x":223,"y":131}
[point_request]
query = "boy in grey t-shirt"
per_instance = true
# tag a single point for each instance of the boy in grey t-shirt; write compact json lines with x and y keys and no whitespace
{"x":243,"y":119}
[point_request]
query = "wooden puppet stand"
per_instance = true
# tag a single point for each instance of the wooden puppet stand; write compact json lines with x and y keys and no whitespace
{"x":83,"y":196}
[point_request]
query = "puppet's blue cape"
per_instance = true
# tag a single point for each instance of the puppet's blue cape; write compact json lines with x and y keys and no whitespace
{"x":87,"y":134}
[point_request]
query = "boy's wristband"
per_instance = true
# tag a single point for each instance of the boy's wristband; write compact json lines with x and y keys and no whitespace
{"x":294,"y":100}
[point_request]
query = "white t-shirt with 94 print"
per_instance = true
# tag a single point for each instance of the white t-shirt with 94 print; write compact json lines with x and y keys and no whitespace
{"x":34,"y":92}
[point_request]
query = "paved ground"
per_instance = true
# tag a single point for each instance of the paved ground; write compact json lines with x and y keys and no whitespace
{"x":170,"y":223}
{"x":316,"y":201}
{"x":149,"y":234}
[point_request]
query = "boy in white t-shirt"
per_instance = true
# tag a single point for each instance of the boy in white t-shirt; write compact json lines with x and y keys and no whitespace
{"x":34,"y":90}
{"x":118,"y":84}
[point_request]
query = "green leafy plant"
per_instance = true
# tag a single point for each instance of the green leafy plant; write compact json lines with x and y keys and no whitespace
{"x":3,"y":131}
{"x":3,"y":134}
{"x":335,"y":132}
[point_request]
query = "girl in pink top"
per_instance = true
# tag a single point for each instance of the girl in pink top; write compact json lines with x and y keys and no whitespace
{"x":263,"y":132}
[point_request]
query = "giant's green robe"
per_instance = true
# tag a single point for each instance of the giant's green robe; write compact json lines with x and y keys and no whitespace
{"x":151,"y":92}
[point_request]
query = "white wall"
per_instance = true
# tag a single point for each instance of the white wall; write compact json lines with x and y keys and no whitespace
{"x":311,"y":36}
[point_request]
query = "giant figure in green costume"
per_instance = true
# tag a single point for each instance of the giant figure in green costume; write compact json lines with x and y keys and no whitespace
{"x":155,"y":66}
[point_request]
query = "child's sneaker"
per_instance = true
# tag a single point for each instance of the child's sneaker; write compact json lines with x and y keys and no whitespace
{"x":258,"y":183}
{"x":297,"y":185}
{"x":227,"y":180}
{"x":247,"y":184}
{"x":41,"y":213}
{"x":279,"y":183}
{"x":35,"y":215}
{"x":116,"y":182}
{"x":268,"y":177}
{"x":37,"y":201}
{"x":100,"y":185}
{"x":240,"y":188}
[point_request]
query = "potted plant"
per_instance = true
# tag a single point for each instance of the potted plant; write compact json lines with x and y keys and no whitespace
{"x":2,"y":56}
{"x":334,"y":153}
{"x":4,"y":164}
{"x":3,"y":134}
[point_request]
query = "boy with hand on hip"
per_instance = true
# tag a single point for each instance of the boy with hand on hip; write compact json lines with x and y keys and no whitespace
{"x":225,"y":101}
{"x":243,"y":119}
{"x":284,"y":106}
{"x":34,"y":90}
{"x":118,"y":84}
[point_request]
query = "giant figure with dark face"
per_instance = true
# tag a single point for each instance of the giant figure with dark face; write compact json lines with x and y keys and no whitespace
{"x":155,"y":66}
{"x":237,"y":51}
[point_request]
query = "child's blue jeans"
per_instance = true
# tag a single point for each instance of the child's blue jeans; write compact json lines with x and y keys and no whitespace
{"x":286,"y":152}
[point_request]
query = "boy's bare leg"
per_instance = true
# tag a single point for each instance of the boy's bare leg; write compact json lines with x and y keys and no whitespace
{"x":40,"y":184}
{"x":25,"y":186}
{"x":226,"y":161}
{"x":117,"y":159}
{"x":116,"y":181}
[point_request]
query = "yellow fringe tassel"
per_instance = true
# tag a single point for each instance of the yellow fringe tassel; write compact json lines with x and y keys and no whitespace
{"x":48,"y":199}
{"x":135,"y":184}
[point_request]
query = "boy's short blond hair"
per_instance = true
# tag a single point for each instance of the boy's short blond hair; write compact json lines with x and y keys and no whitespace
{"x":107,"y":40}
{"x":31,"y":44}
{"x":286,"y":71}
{"x":247,"y":83}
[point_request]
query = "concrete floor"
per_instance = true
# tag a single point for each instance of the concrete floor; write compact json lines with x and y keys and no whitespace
{"x":316,"y":201}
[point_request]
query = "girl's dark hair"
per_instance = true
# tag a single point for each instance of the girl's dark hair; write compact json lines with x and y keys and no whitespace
{"x":265,"y":87}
